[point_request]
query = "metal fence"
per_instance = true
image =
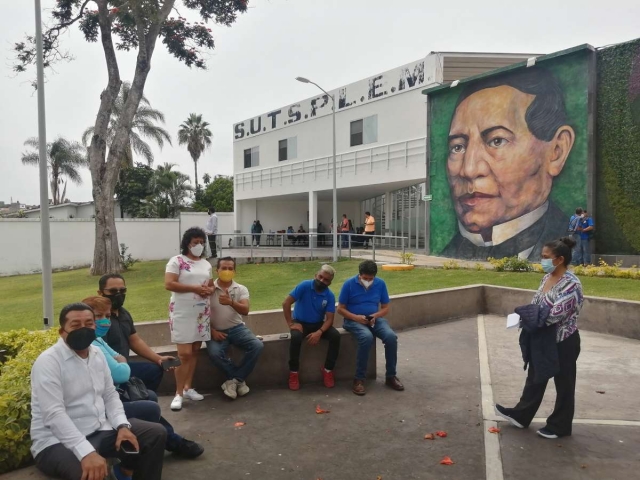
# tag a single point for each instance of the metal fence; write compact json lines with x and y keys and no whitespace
{"x":319,"y":245}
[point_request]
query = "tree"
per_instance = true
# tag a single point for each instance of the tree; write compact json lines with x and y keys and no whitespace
{"x":206,"y":178}
{"x":65,"y":158}
{"x":134,"y":189}
{"x":218,"y":194}
{"x":142,"y":126}
{"x":135,"y":25}
{"x":170,"y":188}
{"x":195,"y":134}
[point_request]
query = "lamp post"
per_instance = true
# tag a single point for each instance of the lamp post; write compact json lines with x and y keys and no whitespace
{"x":335,"y":194}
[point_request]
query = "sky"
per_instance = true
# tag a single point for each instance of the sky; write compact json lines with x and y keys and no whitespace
{"x":255,"y":62}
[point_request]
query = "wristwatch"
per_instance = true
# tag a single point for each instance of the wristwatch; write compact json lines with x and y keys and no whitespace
{"x":124,"y":425}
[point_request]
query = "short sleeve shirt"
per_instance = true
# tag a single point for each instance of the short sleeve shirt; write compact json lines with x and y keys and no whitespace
{"x":224,"y":317}
{"x":312,"y":306}
{"x":586,"y":223}
{"x":361,"y":301}
{"x":121,"y":329}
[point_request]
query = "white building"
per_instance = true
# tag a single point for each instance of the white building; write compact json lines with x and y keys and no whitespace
{"x":73,"y":210}
{"x":283,"y":158}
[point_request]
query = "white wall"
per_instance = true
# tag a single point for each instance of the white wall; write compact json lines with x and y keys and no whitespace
{"x":72,"y":242}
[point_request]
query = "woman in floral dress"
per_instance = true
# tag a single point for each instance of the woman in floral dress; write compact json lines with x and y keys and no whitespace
{"x":188,"y":277}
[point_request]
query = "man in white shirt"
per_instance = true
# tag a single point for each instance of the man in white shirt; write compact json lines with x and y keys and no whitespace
{"x":212,"y":230}
{"x":228,"y":303}
{"x":77,"y":418}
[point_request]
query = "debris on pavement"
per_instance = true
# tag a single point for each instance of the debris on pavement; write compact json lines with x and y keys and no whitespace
{"x":441,"y":433}
{"x":239,"y":424}
{"x":494,"y":430}
{"x":320,"y":411}
{"x":446,"y":461}
{"x":429,"y":436}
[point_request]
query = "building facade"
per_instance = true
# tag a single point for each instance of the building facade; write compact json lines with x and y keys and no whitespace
{"x":283,"y":158}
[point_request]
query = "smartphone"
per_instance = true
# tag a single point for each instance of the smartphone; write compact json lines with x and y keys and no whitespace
{"x":167,"y":364}
{"x":128,"y":448}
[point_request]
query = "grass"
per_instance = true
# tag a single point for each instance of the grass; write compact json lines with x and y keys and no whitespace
{"x":21,"y":305}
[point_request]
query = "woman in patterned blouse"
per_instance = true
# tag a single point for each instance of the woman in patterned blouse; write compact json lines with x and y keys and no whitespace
{"x":561,"y":291}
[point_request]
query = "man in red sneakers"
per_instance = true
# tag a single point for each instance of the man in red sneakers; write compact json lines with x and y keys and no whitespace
{"x":312,"y":319}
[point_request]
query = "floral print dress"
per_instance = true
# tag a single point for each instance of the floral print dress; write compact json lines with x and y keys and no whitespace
{"x":189,"y":313}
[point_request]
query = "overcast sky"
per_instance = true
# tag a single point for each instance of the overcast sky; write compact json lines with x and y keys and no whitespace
{"x":252,"y":69}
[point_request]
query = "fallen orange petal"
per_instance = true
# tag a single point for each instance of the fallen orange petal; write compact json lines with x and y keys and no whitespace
{"x":446,"y":461}
{"x":494,"y":430}
{"x":429,"y":436}
{"x":239,"y":424}
{"x":441,"y":434}
{"x":320,"y":410}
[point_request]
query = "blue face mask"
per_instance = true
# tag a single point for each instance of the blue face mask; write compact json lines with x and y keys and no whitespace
{"x":102,"y":327}
{"x":547,"y":265}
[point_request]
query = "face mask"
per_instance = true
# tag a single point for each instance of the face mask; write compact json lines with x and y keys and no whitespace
{"x":117,"y":300}
{"x":547,"y":265}
{"x":102,"y":327}
{"x":366,"y":283}
{"x":81,"y":338}
{"x":197,"y":250}
{"x":318,"y":285}
{"x":226,"y":275}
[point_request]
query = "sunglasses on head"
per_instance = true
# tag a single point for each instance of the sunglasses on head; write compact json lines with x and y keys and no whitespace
{"x":115,"y":291}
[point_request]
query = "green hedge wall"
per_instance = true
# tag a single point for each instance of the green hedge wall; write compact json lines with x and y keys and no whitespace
{"x":618,"y":150}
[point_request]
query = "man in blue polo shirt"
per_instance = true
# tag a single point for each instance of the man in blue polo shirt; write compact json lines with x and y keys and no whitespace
{"x":312,"y":319}
{"x":586,"y":229}
{"x":363,"y":303}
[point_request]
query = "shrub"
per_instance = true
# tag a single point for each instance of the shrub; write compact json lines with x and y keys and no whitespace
{"x":510,"y":264}
{"x":15,"y":393}
{"x":126,"y":259}
{"x":479,"y":266}
{"x":407,"y":258}
{"x":451,"y":265}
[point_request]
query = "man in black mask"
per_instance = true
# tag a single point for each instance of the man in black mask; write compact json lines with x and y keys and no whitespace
{"x":315,"y":307}
{"x":122,"y":337}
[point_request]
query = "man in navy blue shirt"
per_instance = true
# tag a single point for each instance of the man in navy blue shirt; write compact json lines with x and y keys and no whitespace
{"x":586,"y":228}
{"x":315,"y":307}
{"x":363,"y":303}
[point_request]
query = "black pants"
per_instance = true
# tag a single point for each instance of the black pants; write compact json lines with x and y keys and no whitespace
{"x":256,"y":238}
{"x":560,"y":421}
{"x":60,"y":462}
{"x":366,"y":240}
{"x":332,"y":335}
{"x":212,"y":245}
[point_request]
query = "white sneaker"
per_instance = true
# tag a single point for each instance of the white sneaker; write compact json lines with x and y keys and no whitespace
{"x":242,"y":388}
{"x":176,"y":403}
{"x":191,"y":394}
{"x":230,"y":389}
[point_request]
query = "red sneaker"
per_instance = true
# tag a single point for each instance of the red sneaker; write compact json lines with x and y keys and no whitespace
{"x":328,"y":379}
{"x":294,"y":381}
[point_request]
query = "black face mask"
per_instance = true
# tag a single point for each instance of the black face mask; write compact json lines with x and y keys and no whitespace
{"x":81,"y":338}
{"x":318,"y":285}
{"x":117,"y":300}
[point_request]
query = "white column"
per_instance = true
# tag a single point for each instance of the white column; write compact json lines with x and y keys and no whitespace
{"x":237,"y":222}
{"x":313,"y":218}
{"x":388,"y":209}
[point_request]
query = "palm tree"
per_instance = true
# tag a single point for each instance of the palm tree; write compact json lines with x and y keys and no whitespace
{"x":195,"y":134}
{"x":143,"y":126}
{"x":206,"y":178}
{"x":64,"y":159}
{"x":170,"y":188}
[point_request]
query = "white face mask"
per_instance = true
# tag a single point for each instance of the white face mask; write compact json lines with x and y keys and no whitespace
{"x":366,"y":283}
{"x":197,"y":250}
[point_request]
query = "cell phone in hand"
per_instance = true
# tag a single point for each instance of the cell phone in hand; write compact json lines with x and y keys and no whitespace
{"x":128,"y":448}
{"x":167,"y":364}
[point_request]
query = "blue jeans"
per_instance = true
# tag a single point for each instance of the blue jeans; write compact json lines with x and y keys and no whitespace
{"x":585,"y":251}
{"x":149,"y":373}
{"x":142,"y":410}
{"x":576,"y":253}
{"x":241,"y":337}
{"x":365,"y":337}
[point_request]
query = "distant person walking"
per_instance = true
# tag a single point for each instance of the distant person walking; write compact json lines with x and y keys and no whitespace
{"x":257,"y":230}
{"x":369,"y":227}
{"x":573,"y":233}
{"x":586,"y":229}
{"x":212,"y":230}
{"x":344,"y":228}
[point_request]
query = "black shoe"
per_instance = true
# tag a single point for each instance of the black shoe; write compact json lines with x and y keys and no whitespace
{"x":546,"y":433}
{"x":502,"y":412}
{"x":188,"y":449}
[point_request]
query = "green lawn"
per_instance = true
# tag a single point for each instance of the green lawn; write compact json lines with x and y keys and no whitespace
{"x":21,"y":304}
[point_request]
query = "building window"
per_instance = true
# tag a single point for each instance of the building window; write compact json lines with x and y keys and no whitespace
{"x":288,"y":149}
{"x":251,"y":157}
{"x":364,"y":131}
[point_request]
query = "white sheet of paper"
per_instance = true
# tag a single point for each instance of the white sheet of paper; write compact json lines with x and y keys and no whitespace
{"x":513,"y":320}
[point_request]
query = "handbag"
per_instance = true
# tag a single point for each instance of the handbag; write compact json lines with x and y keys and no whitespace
{"x":133,"y":390}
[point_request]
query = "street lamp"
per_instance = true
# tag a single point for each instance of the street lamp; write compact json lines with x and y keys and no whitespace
{"x":335,"y":194}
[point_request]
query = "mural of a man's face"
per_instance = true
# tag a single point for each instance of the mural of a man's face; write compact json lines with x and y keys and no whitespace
{"x":497,"y":169}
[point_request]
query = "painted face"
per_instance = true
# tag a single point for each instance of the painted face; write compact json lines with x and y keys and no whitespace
{"x":497,"y":169}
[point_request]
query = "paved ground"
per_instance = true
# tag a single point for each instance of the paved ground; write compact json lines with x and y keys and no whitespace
{"x":452,"y":373}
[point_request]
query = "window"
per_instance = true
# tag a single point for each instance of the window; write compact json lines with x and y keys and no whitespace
{"x":364,"y":131}
{"x":251,"y":157}
{"x":288,"y":149}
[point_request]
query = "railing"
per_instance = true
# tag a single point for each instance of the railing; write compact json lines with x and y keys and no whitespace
{"x":314,"y":242}
{"x":369,"y":160}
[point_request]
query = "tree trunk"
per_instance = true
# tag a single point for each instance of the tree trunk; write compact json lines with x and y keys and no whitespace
{"x":195,"y":165}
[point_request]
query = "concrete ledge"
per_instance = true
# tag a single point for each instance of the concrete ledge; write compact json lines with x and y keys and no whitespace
{"x":273,"y":366}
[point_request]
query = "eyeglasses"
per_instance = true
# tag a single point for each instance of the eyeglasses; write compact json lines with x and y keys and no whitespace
{"x":115,"y":291}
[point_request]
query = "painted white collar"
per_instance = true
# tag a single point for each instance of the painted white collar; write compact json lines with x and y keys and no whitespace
{"x":503,"y":232}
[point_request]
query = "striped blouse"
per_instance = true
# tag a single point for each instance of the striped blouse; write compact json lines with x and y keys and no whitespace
{"x":565,"y":301}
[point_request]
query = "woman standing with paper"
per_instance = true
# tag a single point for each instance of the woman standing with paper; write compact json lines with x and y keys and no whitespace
{"x":560,"y":295}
